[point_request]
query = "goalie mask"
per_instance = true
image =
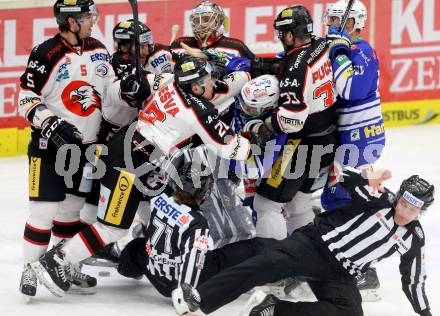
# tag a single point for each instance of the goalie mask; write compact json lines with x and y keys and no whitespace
{"x":259,"y":95}
{"x":208,"y":22}
{"x":358,"y":12}
{"x":123,"y":35}
{"x":77,"y":9}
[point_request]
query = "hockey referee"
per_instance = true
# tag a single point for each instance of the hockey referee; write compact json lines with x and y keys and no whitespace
{"x":330,"y":253}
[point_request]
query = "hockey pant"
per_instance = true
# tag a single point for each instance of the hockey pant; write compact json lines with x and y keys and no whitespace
{"x":299,"y":170}
{"x":303,"y":254}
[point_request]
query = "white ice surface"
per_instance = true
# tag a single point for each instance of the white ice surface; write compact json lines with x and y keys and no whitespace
{"x":414,"y":150}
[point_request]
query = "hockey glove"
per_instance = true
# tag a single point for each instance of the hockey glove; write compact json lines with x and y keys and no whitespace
{"x":251,"y":131}
{"x":133,"y":91}
{"x":238,"y":64}
{"x":59,"y":132}
{"x":122,"y":65}
{"x":339,"y":42}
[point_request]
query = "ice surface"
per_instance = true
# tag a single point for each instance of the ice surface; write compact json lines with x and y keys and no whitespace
{"x":413,"y":150}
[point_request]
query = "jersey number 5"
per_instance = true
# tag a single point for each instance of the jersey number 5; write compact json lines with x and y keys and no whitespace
{"x":152,"y":113}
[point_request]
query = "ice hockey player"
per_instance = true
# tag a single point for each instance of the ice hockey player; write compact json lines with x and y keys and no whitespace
{"x":339,"y":246}
{"x":178,"y":247}
{"x":155,"y":57}
{"x":360,"y":123}
{"x":175,"y":114}
{"x":62,"y":93}
{"x":305,"y":113}
{"x":209,"y":23}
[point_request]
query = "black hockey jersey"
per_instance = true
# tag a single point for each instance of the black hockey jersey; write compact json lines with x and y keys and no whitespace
{"x":232,"y":46}
{"x":363,"y":231}
{"x":307,"y":92}
{"x":177,"y":240}
{"x":160,"y":60}
{"x":74,"y":83}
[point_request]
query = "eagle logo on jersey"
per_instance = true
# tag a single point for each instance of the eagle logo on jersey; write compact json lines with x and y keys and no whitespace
{"x":81,"y":98}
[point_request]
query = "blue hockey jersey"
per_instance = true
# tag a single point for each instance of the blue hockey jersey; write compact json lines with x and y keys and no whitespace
{"x":360,"y":122}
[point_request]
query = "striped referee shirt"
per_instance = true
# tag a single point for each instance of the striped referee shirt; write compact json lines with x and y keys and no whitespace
{"x":364,"y":232}
{"x":176,"y":244}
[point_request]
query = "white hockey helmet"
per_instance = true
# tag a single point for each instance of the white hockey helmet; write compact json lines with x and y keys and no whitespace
{"x":260,"y":95}
{"x":358,"y":12}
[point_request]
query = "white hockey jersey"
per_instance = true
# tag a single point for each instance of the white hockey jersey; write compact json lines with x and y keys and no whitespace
{"x":171,"y":117}
{"x":73,"y":83}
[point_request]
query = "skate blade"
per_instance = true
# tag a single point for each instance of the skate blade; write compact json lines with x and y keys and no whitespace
{"x":256,"y":298}
{"x":96,"y":262}
{"x":371,"y":295}
{"x":75,"y":290}
{"x":44,"y":278}
{"x":26,"y":298}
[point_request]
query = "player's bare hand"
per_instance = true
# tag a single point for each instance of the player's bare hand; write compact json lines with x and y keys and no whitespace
{"x":376,"y":176}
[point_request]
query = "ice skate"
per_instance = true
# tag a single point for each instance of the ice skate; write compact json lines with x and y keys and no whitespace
{"x":368,"y":285}
{"x":81,"y":283}
{"x":28,"y":283}
{"x":105,"y":257}
{"x":260,"y":304}
{"x":53,"y":271}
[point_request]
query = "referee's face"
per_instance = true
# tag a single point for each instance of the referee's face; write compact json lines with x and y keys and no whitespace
{"x":405,"y":212}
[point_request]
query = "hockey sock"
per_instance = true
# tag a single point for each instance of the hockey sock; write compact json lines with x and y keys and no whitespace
{"x":37,"y":230}
{"x":91,"y":239}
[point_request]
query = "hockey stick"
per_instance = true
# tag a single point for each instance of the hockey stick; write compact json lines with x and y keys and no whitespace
{"x":174,"y":30}
{"x":137,"y":49}
{"x":346,"y":14}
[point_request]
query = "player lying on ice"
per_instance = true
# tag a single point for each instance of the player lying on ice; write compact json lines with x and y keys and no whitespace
{"x":332,"y":252}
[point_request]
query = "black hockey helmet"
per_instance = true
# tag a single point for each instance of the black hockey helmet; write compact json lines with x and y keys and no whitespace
{"x":63,"y":9}
{"x":189,"y":69}
{"x":296,"y":19}
{"x":417,"y":191}
{"x":191,"y":170}
{"x":123,"y":34}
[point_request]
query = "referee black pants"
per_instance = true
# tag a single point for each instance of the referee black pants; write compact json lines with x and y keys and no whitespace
{"x":303,"y":254}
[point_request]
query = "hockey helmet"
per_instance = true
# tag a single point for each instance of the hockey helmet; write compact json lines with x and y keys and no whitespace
{"x":417,"y":192}
{"x":296,"y":19}
{"x":63,"y":9}
{"x":192,"y":170}
{"x":189,"y":69}
{"x":208,"y":22}
{"x":358,"y":12}
{"x":259,"y":95}
{"x":123,"y":34}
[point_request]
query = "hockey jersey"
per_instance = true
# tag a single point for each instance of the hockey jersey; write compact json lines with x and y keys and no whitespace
{"x":363,"y":232}
{"x":74,"y":83}
{"x":171,"y":117}
{"x":360,"y":121}
{"x":307,"y":93}
{"x":160,"y":60}
{"x":177,"y":240}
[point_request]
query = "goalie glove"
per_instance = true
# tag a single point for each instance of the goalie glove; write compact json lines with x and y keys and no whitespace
{"x":238,"y":64}
{"x":339,"y":42}
{"x":59,"y":132}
